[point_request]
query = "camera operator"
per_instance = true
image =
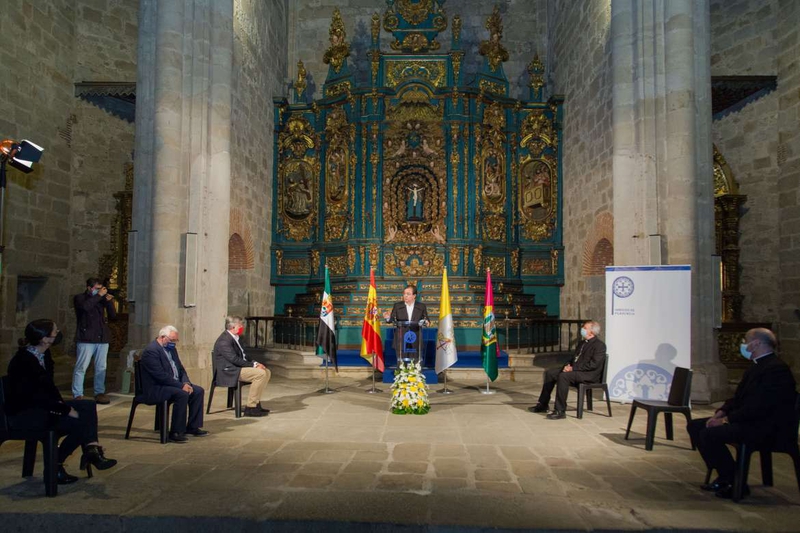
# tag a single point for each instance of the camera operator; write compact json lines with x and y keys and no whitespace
{"x":93,"y":308}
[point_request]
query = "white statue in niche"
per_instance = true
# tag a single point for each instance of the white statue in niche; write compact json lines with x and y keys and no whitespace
{"x":414,"y":203}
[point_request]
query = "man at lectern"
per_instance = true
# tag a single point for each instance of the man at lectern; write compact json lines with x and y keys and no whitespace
{"x":409,"y":310}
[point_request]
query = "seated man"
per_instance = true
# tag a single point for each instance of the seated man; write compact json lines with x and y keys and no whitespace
{"x":761,"y":412}
{"x":164,"y":378}
{"x":586,"y":367}
{"x":233,"y":365}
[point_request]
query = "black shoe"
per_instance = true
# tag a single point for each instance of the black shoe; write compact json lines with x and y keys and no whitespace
{"x":253,"y":411}
{"x":557,"y":415}
{"x":538,"y":408}
{"x":94,"y":456}
{"x":63,"y":478}
{"x":197,"y":432}
{"x":265,"y":411}
{"x":726,"y":491}
{"x":714,"y":486}
{"x":177,"y":437}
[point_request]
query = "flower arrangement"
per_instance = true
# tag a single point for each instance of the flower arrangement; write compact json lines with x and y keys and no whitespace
{"x":409,"y":391}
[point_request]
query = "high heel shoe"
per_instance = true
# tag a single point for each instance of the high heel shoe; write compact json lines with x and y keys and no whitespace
{"x":63,"y":478}
{"x":94,"y":456}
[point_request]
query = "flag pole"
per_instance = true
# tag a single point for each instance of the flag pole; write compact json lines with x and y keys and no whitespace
{"x":327,"y":389}
{"x":487,"y":390}
{"x":373,"y":390}
{"x":445,"y":390}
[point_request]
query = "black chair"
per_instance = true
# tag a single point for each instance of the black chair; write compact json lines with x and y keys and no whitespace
{"x":585,"y":391}
{"x":234,"y":393}
{"x":745,"y":451}
{"x":47,"y":436}
{"x":161,"y":423}
{"x":678,"y":402}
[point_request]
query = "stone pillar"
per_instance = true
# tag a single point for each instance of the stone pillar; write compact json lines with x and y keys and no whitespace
{"x":662,"y":156}
{"x":183,"y":176}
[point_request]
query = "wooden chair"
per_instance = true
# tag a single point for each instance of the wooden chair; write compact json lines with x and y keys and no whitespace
{"x":678,"y":402}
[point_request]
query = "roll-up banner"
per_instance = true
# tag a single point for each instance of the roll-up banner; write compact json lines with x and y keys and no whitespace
{"x":648,"y":329}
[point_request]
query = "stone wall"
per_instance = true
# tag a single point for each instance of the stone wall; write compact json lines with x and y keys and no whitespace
{"x":581,"y":71}
{"x":259,"y":72}
{"x":743,"y":44}
{"x":788,"y":45}
{"x":761,"y":143}
{"x":58,"y":217}
{"x":524,"y":34}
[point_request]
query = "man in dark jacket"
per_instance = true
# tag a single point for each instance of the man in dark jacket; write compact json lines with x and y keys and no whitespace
{"x":164,"y":378}
{"x":232,"y":365}
{"x":92,"y":308}
{"x":585,"y":367}
{"x":761,"y":412}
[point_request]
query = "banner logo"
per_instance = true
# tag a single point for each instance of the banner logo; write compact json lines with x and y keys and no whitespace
{"x":623,"y":286}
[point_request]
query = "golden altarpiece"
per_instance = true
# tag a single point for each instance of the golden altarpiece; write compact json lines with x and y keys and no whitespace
{"x":418,"y":171}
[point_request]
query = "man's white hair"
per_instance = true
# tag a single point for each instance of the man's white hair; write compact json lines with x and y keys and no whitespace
{"x":166,"y":330}
{"x":593,"y":326}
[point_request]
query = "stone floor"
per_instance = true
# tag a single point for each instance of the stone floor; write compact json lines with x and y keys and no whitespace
{"x":343,"y":461}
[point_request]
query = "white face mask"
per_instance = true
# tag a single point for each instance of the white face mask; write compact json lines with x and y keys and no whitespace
{"x":583,"y":333}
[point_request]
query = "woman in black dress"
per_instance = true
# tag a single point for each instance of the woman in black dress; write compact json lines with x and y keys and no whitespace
{"x":33,"y":400}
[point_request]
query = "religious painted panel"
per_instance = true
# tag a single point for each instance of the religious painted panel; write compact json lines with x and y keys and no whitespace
{"x":538,"y":197}
{"x":298,"y":169}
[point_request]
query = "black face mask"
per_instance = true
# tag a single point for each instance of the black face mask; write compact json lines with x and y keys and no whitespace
{"x":58,"y":338}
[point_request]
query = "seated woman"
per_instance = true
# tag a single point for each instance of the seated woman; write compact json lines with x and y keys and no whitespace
{"x":33,"y":401}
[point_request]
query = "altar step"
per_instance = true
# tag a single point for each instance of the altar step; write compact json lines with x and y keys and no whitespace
{"x":305,"y":364}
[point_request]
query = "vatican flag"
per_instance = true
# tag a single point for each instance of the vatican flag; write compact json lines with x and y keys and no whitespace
{"x":446,"y":353}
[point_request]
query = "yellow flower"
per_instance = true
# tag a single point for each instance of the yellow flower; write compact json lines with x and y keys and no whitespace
{"x":405,"y":403}
{"x":420,"y":402}
{"x":412,"y":378}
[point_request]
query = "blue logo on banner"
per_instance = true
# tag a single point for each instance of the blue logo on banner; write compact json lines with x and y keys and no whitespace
{"x":641,"y":381}
{"x":623,"y":286}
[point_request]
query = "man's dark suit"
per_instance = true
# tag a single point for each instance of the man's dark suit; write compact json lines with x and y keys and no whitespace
{"x":399,"y":314}
{"x":228,"y":360}
{"x":761,"y":412}
{"x":587,"y":367}
{"x":159,"y":384}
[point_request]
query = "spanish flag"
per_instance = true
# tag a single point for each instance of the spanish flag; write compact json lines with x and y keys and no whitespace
{"x":371,"y":330}
{"x":490,"y":350}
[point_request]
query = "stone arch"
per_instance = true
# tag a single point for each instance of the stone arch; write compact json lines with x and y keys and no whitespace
{"x":241,"y":255}
{"x":237,"y":253}
{"x":598,"y":249}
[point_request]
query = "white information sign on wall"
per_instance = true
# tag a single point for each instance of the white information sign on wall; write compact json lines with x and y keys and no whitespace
{"x":648,"y":329}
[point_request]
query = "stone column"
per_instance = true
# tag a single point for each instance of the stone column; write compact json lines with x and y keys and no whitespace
{"x":662,"y":157}
{"x":183,"y":176}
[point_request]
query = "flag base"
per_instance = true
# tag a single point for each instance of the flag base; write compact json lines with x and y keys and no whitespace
{"x":444,"y":391}
{"x":326,"y":391}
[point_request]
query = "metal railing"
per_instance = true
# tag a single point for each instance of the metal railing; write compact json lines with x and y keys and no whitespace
{"x":527,"y":335}
{"x":288,"y":332}
{"x":538,"y":335}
